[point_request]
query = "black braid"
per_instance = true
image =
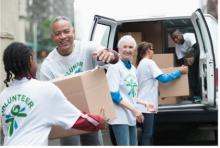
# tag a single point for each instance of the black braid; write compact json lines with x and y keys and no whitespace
{"x":16,"y":58}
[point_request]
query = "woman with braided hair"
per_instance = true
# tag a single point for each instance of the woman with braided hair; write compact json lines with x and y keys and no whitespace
{"x":27,"y":111}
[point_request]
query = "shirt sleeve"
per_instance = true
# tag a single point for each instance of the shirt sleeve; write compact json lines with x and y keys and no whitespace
{"x":92,"y":47}
{"x":95,"y":47}
{"x":62,"y":112}
{"x":154,"y":69}
{"x":45,"y":73}
{"x":178,"y":52}
{"x":191,"y":38}
{"x":113,"y":77}
{"x":116,"y":97}
{"x":165,"y":78}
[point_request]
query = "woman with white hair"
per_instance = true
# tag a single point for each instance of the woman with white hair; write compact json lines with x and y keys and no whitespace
{"x":123,"y":87}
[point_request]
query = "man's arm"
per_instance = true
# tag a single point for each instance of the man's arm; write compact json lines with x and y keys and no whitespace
{"x":106,"y":55}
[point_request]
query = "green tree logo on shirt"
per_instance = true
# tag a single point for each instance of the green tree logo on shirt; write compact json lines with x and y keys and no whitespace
{"x":16,"y":111}
{"x":132,"y":85}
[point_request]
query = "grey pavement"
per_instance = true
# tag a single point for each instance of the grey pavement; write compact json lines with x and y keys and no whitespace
{"x":105,"y":135}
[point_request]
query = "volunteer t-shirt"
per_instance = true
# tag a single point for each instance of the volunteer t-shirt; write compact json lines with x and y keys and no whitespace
{"x":123,"y":80}
{"x":81,"y":59}
{"x":147,"y":71}
{"x":30,"y":108}
{"x":182,"y":49}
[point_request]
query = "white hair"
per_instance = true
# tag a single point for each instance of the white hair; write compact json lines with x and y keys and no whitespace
{"x":61,"y":18}
{"x":126,"y":38}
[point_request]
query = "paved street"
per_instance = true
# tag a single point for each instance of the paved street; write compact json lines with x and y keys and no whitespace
{"x":196,"y":138}
{"x":105,"y":134}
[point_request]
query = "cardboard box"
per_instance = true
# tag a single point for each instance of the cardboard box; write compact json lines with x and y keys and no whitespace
{"x":89,"y":92}
{"x":164,"y":60}
{"x":167,"y":101}
{"x":178,"y":87}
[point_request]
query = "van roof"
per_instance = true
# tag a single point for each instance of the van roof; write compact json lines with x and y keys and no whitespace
{"x":149,"y":18}
{"x":132,"y":9}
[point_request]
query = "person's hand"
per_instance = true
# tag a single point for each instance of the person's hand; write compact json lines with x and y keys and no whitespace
{"x":150,"y":107}
{"x":139,"y":116}
{"x":104,"y":55}
{"x":183,"y":69}
{"x":189,"y":60}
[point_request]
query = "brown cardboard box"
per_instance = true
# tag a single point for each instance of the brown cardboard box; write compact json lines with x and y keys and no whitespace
{"x":178,"y":87}
{"x":168,"y":101}
{"x":89,"y":92}
{"x":164,"y":60}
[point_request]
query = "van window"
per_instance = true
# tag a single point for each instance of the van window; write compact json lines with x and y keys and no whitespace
{"x":101,"y":34}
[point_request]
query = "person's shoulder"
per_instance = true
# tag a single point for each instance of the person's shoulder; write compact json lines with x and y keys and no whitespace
{"x":115,"y":66}
{"x":151,"y":63}
{"x":46,"y":88}
{"x":3,"y":92}
{"x":188,"y":35}
{"x":118,"y":64}
{"x":51,"y":57}
{"x":84,"y":43}
{"x":43,"y":84}
{"x":146,"y":61}
{"x":90,"y":45}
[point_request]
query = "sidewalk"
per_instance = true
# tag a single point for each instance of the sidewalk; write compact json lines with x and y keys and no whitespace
{"x":56,"y":142}
{"x":105,"y":135}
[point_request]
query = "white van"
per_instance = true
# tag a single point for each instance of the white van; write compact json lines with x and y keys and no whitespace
{"x":154,"y":27}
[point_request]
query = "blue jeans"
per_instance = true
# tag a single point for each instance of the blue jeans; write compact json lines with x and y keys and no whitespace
{"x":147,"y":129}
{"x":125,"y":134}
{"x":94,"y":138}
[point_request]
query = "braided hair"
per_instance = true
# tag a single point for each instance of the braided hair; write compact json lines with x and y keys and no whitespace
{"x":16,"y":58}
{"x":141,"y":50}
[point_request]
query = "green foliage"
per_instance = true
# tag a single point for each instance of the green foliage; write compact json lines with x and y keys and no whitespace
{"x":44,"y":39}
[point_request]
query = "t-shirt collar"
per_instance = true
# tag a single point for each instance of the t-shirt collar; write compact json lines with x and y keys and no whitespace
{"x":127,"y":64}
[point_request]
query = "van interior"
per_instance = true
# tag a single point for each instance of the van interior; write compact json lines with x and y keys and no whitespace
{"x":157,"y":32}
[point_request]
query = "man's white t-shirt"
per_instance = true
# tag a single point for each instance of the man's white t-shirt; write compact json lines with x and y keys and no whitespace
{"x":30,"y":108}
{"x":123,"y":80}
{"x":81,"y":59}
{"x":147,"y":71}
{"x":182,"y":49}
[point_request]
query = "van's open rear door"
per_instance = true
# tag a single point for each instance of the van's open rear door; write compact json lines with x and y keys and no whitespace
{"x":103,"y":31}
{"x":207,"y":58}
